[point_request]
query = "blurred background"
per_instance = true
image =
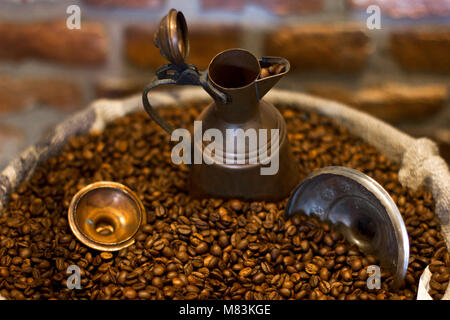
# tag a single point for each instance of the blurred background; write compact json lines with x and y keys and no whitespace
{"x":398,"y":70}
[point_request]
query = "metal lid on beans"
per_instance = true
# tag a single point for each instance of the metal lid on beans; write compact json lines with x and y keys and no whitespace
{"x":361,"y":209}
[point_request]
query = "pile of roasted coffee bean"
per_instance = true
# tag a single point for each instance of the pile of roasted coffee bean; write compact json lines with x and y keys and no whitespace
{"x":271,"y":70}
{"x":204,"y":249}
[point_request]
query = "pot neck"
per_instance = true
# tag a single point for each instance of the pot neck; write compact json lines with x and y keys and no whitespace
{"x":242,"y":104}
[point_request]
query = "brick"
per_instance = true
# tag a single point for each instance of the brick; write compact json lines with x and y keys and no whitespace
{"x":115,"y":88}
{"x":205,"y":42}
{"x":398,"y":9}
{"x":324,"y":47}
{"x":140,"y":50}
{"x":232,"y":5}
{"x":56,"y":93}
{"x":12,"y":95}
{"x":17,"y":94}
{"x":422,"y":50}
{"x":53,"y":41}
{"x":279,"y":7}
{"x":130,"y":4}
{"x":393,"y":102}
{"x":12,"y":140}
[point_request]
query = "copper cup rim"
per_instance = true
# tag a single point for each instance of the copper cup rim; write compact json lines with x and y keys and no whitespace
{"x":88,"y":241}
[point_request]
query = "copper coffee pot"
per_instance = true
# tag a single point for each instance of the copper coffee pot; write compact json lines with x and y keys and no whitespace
{"x":233,"y":79}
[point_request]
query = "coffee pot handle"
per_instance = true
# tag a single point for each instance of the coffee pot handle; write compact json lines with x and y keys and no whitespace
{"x":181,"y":75}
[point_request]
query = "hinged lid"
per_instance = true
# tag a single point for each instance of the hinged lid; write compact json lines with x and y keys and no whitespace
{"x":172,"y":37}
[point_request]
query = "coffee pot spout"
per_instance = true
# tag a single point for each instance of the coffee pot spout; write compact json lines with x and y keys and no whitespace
{"x":272,"y":70}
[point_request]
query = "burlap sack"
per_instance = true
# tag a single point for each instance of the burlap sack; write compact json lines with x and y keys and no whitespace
{"x":420,"y":163}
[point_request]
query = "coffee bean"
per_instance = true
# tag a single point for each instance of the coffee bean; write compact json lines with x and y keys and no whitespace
{"x":236,"y":205}
{"x":325,"y":287}
{"x":301,"y":294}
{"x":144,"y":294}
{"x":314,"y":281}
{"x":121,"y":145}
{"x":210,"y":261}
{"x":340,"y":250}
{"x":167,"y":292}
{"x":87,"y":154}
{"x":245,"y":272}
{"x":266,"y":267}
{"x":159,"y":270}
{"x":216,"y":250}
{"x":356,"y":264}
{"x":129,"y":293}
{"x":311,"y":268}
{"x":258,"y":278}
{"x":288,"y":284}
{"x":435,"y":285}
{"x":346,"y":275}
{"x":16,"y":261}
{"x":291,"y":231}
{"x":132,"y":275}
{"x":106,"y":255}
{"x":223,"y":241}
{"x":201,"y":248}
{"x":336,"y":288}
{"x":324,"y":274}
{"x":264,"y":73}
{"x":184,"y":229}
{"x":168,"y":252}
{"x":159,"y":245}
{"x":4,"y":272}
{"x":177,"y":282}
{"x":183,"y":256}
{"x":157,"y":282}
{"x":242,"y":245}
{"x":304,"y":245}
{"x":26,"y":229}
{"x":172,"y":267}
{"x":122,"y":277}
{"x":25,"y":253}
{"x":285,"y":292}
{"x":436,"y":265}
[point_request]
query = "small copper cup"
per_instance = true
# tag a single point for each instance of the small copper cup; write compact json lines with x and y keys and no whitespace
{"x":106,"y":216}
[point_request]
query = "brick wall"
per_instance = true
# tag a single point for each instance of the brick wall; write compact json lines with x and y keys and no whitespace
{"x":400,"y":73}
